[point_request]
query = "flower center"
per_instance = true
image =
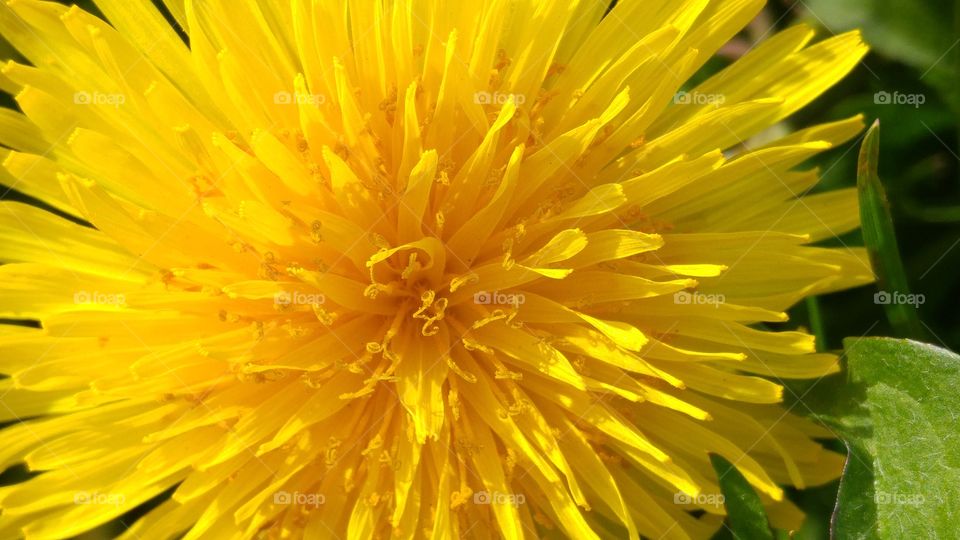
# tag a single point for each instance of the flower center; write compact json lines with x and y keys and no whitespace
{"x":412,"y":274}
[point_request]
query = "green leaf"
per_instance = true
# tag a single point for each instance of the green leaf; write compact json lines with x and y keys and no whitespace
{"x":815,"y":317}
{"x":903,"y":476}
{"x":919,"y":33}
{"x":881,"y":241}
{"x":748,"y":520}
{"x":855,"y":516}
{"x":912,"y":31}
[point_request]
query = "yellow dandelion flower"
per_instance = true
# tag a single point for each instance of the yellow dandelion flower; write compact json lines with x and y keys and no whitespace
{"x":424,"y":269}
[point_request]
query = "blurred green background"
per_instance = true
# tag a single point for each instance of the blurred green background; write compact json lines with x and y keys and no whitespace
{"x":915,"y":51}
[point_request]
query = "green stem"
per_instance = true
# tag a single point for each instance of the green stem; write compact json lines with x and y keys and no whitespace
{"x":956,"y":67}
{"x":815,"y":317}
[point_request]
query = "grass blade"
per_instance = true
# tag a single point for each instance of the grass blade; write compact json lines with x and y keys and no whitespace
{"x":745,"y":514}
{"x":881,"y":242}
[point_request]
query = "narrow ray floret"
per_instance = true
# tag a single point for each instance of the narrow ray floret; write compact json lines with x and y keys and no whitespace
{"x":424,"y":269}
